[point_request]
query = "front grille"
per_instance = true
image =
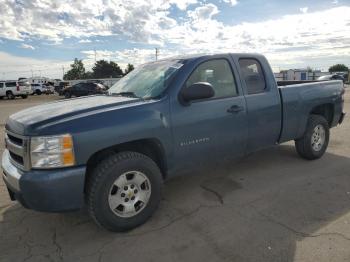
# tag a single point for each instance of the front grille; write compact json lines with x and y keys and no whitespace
{"x":17,"y":158}
{"x":18,"y":148}
{"x":15,"y":140}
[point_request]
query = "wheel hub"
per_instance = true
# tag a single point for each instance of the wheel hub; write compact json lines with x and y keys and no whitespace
{"x":129,"y":194}
{"x":318,"y":138}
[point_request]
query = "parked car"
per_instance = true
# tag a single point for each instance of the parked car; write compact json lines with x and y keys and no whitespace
{"x":11,"y":89}
{"x":112,"y":152}
{"x":48,"y":89}
{"x":83,"y":89}
{"x":60,"y":86}
{"x":38,"y":89}
{"x":331,"y":77}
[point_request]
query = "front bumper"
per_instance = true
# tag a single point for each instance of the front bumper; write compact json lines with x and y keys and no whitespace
{"x":53,"y":190}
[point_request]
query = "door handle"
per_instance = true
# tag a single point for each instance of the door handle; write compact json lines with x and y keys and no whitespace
{"x":235,"y":109}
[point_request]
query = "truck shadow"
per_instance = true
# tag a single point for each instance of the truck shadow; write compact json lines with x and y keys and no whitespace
{"x":269,"y":206}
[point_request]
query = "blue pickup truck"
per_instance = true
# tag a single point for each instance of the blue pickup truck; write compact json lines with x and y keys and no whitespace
{"x":112,"y":152}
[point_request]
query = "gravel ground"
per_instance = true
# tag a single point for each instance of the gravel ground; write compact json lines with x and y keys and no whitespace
{"x":269,"y":206}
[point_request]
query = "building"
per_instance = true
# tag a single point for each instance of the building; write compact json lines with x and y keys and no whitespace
{"x":299,"y":74}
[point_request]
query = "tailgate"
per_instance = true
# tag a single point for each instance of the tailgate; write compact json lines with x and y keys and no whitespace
{"x":24,"y":87}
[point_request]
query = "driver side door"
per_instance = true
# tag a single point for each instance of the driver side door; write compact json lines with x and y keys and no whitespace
{"x":214,"y":128}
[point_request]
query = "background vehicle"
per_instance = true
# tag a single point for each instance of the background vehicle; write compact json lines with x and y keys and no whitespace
{"x":37,"y":89}
{"x":331,"y":77}
{"x":113,"y":152}
{"x":48,"y":89}
{"x":11,"y":89}
{"x":83,"y":89}
{"x":59,"y":86}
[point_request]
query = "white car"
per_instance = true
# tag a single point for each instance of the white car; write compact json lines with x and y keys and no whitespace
{"x":38,"y":89}
{"x":11,"y":89}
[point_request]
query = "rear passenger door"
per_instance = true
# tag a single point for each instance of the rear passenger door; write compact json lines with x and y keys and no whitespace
{"x":263,"y":102}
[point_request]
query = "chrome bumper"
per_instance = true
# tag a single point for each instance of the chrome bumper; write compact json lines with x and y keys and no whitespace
{"x":11,"y":173}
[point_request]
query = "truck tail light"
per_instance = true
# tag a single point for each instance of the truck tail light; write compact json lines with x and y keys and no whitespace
{"x":17,"y":86}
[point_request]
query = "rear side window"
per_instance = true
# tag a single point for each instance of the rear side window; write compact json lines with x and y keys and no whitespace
{"x":11,"y":84}
{"x":253,"y":75}
{"x":218,"y":73}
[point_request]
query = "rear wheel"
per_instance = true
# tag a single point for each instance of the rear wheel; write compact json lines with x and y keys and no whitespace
{"x":38,"y":92}
{"x":315,"y":140}
{"x":123,"y":191}
{"x":10,"y":95}
{"x":67,"y":95}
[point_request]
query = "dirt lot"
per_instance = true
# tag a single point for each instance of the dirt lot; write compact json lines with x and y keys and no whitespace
{"x":270,"y":206}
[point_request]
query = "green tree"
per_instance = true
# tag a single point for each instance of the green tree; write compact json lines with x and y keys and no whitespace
{"x":104,"y":69}
{"x":128,"y":69}
{"x":77,"y":70}
{"x":88,"y":75}
{"x":338,"y":68}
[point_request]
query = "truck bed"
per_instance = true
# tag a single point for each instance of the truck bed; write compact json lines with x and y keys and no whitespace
{"x":299,"y":99}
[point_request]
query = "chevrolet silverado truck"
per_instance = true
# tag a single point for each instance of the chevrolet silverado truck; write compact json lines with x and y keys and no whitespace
{"x":112,"y":152}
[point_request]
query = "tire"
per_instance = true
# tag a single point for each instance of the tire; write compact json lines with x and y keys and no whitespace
{"x":24,"y":96}
{"x":306,"y":146}
{"x":38,"y":92}
{"x":67,"y":95}
{"x":10,"y":95}
{"x":104,"y":180}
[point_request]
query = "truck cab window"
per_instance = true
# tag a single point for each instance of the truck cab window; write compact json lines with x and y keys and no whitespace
{"x":218,"y":73}
{"x":253,"y":76}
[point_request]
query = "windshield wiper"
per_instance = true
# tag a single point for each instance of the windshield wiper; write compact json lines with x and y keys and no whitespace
{"x":127,"y":94}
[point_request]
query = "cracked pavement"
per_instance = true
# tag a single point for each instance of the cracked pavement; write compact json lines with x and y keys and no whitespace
{"x":269,"y":206}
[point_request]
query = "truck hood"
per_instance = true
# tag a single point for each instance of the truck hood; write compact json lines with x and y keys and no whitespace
{"x":20,"y":122}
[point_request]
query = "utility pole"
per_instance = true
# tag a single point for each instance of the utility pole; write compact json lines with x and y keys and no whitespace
{"x":157,"y":52}
{"x":32,"y":72}
{"x":95,"y":54}
{"x":62,"y":72}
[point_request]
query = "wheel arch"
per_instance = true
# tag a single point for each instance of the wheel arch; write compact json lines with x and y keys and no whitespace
{"x":150,"y":147}
{"x":325,"y":110}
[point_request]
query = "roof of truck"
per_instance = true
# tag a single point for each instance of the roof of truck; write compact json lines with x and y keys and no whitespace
{"x":195,"y":56}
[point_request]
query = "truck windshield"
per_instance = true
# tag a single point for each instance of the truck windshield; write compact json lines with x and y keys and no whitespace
{"x":148,"y":80}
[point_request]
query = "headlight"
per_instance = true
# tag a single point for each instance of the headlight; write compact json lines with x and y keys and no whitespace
{"x":52,"y":151}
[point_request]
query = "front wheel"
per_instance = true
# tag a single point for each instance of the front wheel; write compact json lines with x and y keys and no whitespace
{"x":123,"y":191}
{"x":315,"y":140}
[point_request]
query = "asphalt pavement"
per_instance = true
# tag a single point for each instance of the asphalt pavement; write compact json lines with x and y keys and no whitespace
{"x":269,"y":206}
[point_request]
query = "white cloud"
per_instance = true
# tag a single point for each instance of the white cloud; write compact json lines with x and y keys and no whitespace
{"x":26,"y":46}
{"x":304,"y":10}
{"x":290,"y":39}
{"x":58,"y":19}
{"x":232,"y":2}
{"x":206,"y":11}
{"x":335,"y":2}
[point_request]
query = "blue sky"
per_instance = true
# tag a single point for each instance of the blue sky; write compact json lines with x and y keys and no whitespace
{"x":43,"y":36}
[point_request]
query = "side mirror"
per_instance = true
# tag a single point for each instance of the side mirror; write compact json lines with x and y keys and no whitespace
{"x":200,"y":90}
